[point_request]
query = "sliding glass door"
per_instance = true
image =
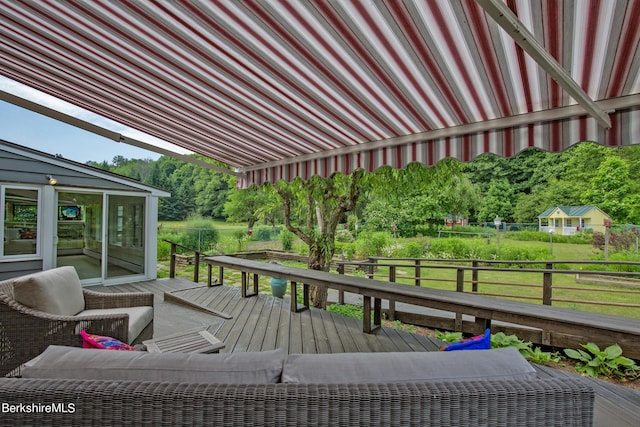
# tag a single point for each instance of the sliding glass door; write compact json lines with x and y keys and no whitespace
{"x":125,"y":230}
{"x":80,"y":233}
{"x":101,"y":235}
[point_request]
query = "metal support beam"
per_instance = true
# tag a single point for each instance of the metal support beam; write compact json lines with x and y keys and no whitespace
{"x":504,"y":17}
{"x":106,"y":133}
{"x":559,"y":113}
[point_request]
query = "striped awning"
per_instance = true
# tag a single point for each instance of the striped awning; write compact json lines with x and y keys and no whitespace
{"x":280,"y":89}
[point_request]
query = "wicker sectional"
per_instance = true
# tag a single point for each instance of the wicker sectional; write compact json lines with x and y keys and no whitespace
{"x":97,"y":387}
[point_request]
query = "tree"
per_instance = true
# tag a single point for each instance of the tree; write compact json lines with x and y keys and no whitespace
{"x":243,"y":204}
{"x":497,"y":202}
{"x":312,"y":211}
{"x":609,"y":188}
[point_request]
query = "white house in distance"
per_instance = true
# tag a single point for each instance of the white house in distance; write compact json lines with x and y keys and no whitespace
{"x":58,"y":212}
{"x":569,"y":220}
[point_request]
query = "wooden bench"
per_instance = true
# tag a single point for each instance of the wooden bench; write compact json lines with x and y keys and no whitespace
{"x":595,"y":327}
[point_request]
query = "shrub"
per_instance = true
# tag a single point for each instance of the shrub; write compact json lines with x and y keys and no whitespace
{"x":371,"y":244}
{"x":287,"y":238}
{"x":413,"y":249}
{"x":262,"y":234}
{"x":343,"y":235}
{"x":618,"y":241}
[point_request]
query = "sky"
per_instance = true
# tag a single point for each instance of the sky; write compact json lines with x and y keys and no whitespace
{"x":24,"y":127}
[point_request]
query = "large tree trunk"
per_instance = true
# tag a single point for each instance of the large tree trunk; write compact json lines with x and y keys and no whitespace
{"x":317,"y":261}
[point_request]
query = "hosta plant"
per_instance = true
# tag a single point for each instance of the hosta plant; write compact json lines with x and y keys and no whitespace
{"x":608,"y":362}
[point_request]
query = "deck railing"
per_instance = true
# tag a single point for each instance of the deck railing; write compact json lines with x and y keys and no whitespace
{"x":467,"y":272}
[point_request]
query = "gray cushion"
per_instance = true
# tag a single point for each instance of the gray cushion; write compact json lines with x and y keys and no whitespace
{"x":55,"y":291}
{"x":139,"y":318}
{"x":498,"y":364}
{"x":227,"y":368}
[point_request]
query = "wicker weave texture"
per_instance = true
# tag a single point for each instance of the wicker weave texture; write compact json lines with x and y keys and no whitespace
{"x":25,"y":333}
{"x":497,"y":403}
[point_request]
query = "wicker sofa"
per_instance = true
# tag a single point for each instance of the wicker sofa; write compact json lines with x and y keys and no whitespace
{"x":51,"y":308}
{"x":471,"y":388}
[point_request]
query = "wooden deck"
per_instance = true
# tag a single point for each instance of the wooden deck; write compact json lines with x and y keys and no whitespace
{"x":264,"y":323}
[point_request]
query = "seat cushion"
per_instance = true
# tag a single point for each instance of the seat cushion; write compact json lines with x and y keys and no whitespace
{"x":55,"y":291}
{"x":62,"y":362}
{"x":337,"y":368}
{"x":139,"y":318}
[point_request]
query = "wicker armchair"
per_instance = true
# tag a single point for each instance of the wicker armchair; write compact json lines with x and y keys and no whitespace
{"x":26,"y":332}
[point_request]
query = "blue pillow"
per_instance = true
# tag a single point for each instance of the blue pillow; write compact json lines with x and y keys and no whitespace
{"x":479,"y":342}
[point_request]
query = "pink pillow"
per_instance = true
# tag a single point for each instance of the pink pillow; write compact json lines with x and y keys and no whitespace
{"x":105,"y":343}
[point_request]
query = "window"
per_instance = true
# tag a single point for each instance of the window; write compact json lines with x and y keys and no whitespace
{"x":21,"y":220}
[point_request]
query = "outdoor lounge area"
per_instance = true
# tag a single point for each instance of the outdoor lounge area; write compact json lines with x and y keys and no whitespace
{"x":264,"y":329}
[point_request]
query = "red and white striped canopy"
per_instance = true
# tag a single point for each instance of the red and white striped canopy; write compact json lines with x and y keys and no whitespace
{"x":284,"y":88}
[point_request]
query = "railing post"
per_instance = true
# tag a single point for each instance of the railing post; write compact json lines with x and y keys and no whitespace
{"x":474,"y":277}
{"x":172,"y":262}
{"x":459,"y":288}
{"x":417,"y":272}
{"x":371,"y":267}
{"x":196,"y":268}
{"x":341,"y":292}
{"x":547,"y":284}
{"x":392,"y":303}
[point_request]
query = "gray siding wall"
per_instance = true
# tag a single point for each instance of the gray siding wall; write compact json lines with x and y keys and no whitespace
{"x":15,"y":168}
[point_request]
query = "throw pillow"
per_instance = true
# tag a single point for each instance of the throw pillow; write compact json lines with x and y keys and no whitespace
{"x":479,"y":342}
{"x":105,"y":343}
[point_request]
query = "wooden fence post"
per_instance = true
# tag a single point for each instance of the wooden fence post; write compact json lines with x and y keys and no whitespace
{"x":474,"y":277}
{"x":172,"y":262}
{"x":392,"y":303}
{"x":417,"y":272}
{"x":196,"y":268}
{"x":341,"y":292}
{"x":459,"y":288}
{"x":547,"y":284}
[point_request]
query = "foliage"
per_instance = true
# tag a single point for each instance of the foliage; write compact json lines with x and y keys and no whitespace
{"x":263,"y":234}
{"x":526,"y":348}
{"x":413,"y":249}
{"x":347,"y":310}
{"x":618,"y":241}
{"x":344,"y":235}
{"x":287,"y":238}
{"x":608,"y":362}
{"x":540,"y":236}
{"x":371,"y":244}
{"x":448,"y":336}
{"x":241,"y":238}
{"x":477,"y":248}
{"x":197,"y":234}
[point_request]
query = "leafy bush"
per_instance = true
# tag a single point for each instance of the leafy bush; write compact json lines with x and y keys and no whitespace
{"x":618,"y":241}
{"x":371,"y":244}
{"x":540,"y":236}
{"x":197,"y":234}
{"x":413,"y":249}
{"x":456,"y":248}
{"x":430,"y":230}
{"x":164,"y":250}
{"x":287,"y":238}
{"x":608,"y":362}
{"x":262,"y":234}
{"x":344,"y":235}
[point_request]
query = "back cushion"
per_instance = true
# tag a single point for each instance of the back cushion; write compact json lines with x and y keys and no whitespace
{"x":397,"y":367}
{"x":226,"y":368}
{"x":55,"y":291}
